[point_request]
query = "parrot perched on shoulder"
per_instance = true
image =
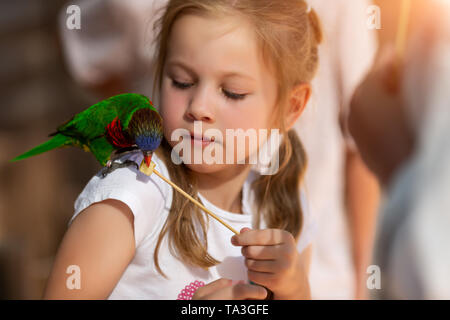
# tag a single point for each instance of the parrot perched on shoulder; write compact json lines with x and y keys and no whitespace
{"x":108,"y":129}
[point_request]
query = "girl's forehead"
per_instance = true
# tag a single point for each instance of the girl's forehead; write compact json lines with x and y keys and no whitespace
{"x":208,"y":44}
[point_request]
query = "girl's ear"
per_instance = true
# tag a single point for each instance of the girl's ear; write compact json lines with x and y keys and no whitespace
{"x":298,"y":100}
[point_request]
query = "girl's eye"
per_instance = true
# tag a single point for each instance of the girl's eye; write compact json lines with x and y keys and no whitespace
{"x":233,"y":96}
{"x":181,"y":85}
{"x":227,"y":94}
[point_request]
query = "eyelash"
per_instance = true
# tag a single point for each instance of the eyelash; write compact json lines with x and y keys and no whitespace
{"x":227,"y":94}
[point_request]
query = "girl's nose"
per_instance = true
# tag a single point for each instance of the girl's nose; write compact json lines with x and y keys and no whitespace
{"x":200,"y":109}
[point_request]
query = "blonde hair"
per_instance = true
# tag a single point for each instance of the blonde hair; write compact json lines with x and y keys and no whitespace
{"x":288,"y":34}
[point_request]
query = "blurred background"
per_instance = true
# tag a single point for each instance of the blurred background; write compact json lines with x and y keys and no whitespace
{"x":38,"y":94}
{"x":36,"y":196}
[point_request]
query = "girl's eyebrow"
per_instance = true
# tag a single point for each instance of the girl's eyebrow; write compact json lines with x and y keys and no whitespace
{"x":225,"y":74}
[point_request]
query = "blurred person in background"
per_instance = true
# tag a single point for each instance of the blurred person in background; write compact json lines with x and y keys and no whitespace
{"x":400,"y":120}
{"x":108,"y":57}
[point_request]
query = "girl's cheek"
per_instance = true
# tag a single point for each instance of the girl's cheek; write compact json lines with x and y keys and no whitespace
{"x":172,"y":111}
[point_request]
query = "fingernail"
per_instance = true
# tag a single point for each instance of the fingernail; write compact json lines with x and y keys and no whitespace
{"x":268,"y":294}
{"x":234,"y":240}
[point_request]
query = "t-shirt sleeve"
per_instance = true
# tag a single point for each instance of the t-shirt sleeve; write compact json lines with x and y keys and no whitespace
{"x":309,"y":228}
{"x":145,"y":196}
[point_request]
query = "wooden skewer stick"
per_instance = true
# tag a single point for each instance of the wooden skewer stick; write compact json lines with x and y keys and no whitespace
{"x":402,"y":30}
{"x":149,"y":171}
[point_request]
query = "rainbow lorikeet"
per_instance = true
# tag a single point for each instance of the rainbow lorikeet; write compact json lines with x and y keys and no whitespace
{"x":108,"y":129}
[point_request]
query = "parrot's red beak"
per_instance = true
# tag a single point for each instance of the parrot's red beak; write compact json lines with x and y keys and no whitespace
{"x":148,"y":159}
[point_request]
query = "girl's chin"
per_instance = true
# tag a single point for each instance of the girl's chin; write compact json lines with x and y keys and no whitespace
{"x":206,"y":168}
{"x":216,"y":168}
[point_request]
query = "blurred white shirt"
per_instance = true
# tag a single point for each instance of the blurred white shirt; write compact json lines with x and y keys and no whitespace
{"x":346,"y":56}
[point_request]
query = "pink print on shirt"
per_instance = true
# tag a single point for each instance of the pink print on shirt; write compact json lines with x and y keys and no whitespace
{"x":188,"y":292}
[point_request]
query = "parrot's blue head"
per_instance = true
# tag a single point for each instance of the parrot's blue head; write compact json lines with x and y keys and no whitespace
{"x":146,"y":129}
{"x":148,"y":143}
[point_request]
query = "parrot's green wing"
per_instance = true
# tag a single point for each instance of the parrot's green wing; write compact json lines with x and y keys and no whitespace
{"x":90,"y":123}
{"x":87,"y":128}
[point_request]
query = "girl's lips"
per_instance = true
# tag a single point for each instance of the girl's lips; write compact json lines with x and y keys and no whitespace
{"x":201,"y":142}
{"x":200,"y":137}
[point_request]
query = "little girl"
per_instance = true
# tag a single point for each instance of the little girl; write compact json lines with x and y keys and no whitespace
{"x":231,"y":64}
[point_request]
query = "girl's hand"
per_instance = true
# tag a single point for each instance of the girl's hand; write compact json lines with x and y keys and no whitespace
{"x":224,"y":289}
{"x":273,"y":261}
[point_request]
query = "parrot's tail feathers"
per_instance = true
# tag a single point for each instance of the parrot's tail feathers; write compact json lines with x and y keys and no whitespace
{"x":57,"y":141}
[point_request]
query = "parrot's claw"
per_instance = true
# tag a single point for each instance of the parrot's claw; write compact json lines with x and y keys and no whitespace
{"x":111,"y":166}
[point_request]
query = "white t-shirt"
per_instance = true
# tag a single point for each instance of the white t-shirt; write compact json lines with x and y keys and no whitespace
{"x":150,"y":199}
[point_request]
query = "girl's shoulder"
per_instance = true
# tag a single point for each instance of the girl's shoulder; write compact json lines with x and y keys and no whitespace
{"x":130,"y":178}
{"x":146,"y":196}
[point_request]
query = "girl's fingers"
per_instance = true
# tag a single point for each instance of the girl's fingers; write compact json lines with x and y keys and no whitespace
{"x":268,"y":252}
{"x":211,"y":288}
{"x":249,"y":291}
{"x":240,"y":291}
{"x":266,"y":279}
{"x":269,"y":266}
{"x":261,"y":237}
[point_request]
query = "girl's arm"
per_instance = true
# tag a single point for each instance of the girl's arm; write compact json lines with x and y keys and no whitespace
{"x":100,"y":244}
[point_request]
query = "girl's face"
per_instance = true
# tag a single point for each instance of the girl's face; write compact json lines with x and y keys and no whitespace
{"x":214,"y":73}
